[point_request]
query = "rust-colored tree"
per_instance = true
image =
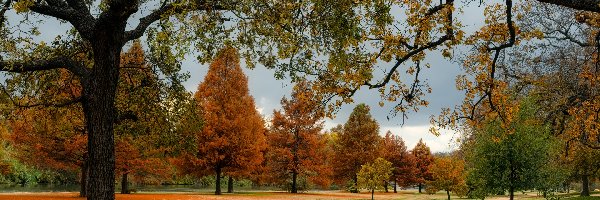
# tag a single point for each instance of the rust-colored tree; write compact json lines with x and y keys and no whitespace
{"x":232,"y":139}
{"x":448,"y":174}
{"x":394,"y":150}
{"x":51,"y":138}
{"x":423,"y":160}
{"x":357,"y":144}
{"x":296,"y":148}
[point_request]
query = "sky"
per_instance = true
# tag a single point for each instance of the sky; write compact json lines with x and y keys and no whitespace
{"x":267,"y":91}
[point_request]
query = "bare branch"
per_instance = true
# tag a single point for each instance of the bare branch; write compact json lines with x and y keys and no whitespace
{"x":43,"y":65}
{"x":157,"y":14}
{"x":80,"y":18}
{"x":448,"y":36}
{"x":583,"y":5}
{"x":3,"y":10}
{"x":146,"y":21}
{"x":69,"y":102}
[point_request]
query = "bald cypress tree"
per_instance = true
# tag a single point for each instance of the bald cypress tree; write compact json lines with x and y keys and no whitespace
{"x":232,"y":139}
{"x":357,"y":145}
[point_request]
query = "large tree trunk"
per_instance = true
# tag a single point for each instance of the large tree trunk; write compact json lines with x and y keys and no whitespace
{"x":83,"y":180}
{"x":294,"y":184}
{"x":124,"y":184}
{"x":230,"y":185}
{"x":218,"y":181}
{"x":98,"y":106}
{"x":585,"y":186}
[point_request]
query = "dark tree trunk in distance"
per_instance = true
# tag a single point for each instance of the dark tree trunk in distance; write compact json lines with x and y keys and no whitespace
{"x":294,"y":184}
{"x":511,"y":190}
{"x":355,"y":189}
{"x":218,"y":181}
{"x":585,"y":186}
{"x":124,"y":184}
{"x":230,"y":185}
{"x":372,"y":194}
{"x":395,"y":187}
{"x":385,"y":186}
{"x":420,"y":186}
{"x":448,"y":193}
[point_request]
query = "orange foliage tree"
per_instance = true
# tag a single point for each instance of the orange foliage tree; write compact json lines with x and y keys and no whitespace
{"x":394,"y":150}
{"x":296,"y":147}
{"x":357,"y":144}
{"x":55,"y":138}
{"x":232,"y":139}
{"x":423,"y":160}
{"x":50,"y":138}
{"x":448,"y":173}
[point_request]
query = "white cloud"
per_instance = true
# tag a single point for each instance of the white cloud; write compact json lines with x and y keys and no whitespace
{"x":411,"y":135}
{"x":446,"y":142}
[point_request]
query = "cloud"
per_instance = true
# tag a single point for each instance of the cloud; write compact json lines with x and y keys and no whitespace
{"x":411,"y":135}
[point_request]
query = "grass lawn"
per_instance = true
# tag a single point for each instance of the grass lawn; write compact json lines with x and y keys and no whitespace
{"x":317,"y":195}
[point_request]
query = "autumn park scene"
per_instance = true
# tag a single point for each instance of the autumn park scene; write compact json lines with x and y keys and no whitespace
{"x":299,"y":99}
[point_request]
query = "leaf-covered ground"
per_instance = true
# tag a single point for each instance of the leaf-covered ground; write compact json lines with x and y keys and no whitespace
{"x":329,"y":195}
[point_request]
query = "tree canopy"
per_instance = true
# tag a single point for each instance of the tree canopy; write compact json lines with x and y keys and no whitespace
{"x":232,"y":139}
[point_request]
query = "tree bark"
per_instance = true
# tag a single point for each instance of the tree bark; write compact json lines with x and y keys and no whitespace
{"x":230,"y":185}
{"x":294,"y":184}
{"x":395,"y":187}
{"x":218,"y":181}
{"x":448,"y":193}
{"x":420,"y":186}
{"x":83,"y":180}
{"x":511,"y":190}
{"x":99,"y":91}
{"x":124,"y":184}
{"x":585,"y":186}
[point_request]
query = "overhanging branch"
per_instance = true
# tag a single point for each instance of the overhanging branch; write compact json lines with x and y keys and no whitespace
{"x":157,"y":14}
{"x":583,"y":5}
{"x":43,"y":65}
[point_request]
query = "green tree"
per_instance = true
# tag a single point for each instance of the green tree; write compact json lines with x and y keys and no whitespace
{"x":357,"y":144}
{"x":373,"y":176}
{"x":510,"y":159}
